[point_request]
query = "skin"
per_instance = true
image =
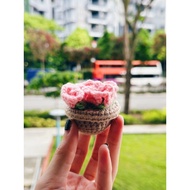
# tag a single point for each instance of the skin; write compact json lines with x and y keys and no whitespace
{"x":63,"y":171}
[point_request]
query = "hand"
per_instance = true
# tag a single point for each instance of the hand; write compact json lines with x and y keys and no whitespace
{"x":63,"y":171}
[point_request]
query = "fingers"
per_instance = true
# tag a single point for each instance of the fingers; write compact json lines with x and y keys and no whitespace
{"x":91,"y":168}
{"x":82,"y":149}
{"x":104,"y":172}
{"x":114,"y":141}
{"x":64,"y":155}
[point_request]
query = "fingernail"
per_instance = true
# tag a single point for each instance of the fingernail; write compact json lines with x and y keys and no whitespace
{"x":68,"y":125}
{"x":107,"y":145}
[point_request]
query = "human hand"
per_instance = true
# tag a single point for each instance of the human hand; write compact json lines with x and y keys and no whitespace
{"x":63,"y":171}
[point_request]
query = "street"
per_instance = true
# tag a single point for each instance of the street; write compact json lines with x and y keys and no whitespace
{"x":137,"y":102}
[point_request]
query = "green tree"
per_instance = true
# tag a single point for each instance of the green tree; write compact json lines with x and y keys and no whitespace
{"x":159,"y":48}
{"x":78,"y":39}
{"x":143,"y":46}
{"x":75,"y":44}
{"x":40,"y":23}
{"x":42,"y":44}
{"x":35,"y":23}
{"x":117,"y":50}
{"x":132,"y":18}
{"x":105,"y":45}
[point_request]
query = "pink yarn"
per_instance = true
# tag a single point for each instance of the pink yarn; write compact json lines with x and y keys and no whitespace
{"x":90,"y":91}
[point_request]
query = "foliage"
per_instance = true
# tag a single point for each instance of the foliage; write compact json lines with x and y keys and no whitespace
{"x":42,"y":44}
{"x":78,"y":39}
{"x":136,"y":117}
{"x":129,"y":119}
{"x":154,"y":116}
{"x":38,"y":122}
{"x":37,"y":113}
{"x":143,"y":46}
{"x":159,"y":45}
{"x":145,"y":117}
{"x":40,"y":23}
{"x":56,"y":80}
{"x":105,"y":46}
{"x":117,"y":52}
{"x":40,"y":41}
{"x":36,"y":118}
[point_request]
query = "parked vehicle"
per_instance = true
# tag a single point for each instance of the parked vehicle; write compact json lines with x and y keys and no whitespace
{"x":143,"y":73}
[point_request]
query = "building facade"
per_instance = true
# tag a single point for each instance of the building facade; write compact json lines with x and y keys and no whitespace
{"x":94,"y":15}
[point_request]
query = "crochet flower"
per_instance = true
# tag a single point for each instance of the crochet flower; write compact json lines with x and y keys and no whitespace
{"x":89,"y":94}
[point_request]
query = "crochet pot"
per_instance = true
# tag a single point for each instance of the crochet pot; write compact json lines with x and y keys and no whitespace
{"x":93,"y":122}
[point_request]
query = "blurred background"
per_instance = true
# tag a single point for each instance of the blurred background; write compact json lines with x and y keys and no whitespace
{"x":119,"y":40}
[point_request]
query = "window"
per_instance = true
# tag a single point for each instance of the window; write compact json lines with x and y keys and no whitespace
{"x":95,"y":14}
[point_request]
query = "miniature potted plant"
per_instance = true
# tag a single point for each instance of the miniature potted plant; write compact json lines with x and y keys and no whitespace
{"x":91,"y":104}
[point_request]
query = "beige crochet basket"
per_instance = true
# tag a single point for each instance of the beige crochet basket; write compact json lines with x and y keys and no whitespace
{"x":93,"y":122}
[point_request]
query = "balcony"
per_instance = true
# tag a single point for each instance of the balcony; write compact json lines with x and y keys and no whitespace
{"x":97,"y":20}
{"x":97,"y":7}
{"x":97,"y":34}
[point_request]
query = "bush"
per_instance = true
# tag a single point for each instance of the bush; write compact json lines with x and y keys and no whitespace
{"x":154,"y":117}
{"x":36,"y":113}
{"x":56,"y":80}
{"x":38,"y":122}
{"x":129,"y":119}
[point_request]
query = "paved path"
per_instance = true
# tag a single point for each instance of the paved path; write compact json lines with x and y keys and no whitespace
{"x":137,"y":102}
{"x":38,"y":140}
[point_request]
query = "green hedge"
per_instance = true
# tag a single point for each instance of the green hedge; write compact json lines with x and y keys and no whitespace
{"x":145,"y":117}
{"x":43,"y":119}
{"x":154,"y":117}
{"x":37,"y":122}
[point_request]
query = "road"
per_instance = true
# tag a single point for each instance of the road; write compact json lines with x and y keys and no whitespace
{"x":137,"y":102}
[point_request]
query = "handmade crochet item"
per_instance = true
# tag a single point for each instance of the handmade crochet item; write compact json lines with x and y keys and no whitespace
{"x":91,"y":104}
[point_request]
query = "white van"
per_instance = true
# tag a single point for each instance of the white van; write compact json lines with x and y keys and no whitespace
{"x":148,"y":73}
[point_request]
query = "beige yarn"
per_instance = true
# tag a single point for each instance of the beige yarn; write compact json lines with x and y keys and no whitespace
{"x":93,"y":121}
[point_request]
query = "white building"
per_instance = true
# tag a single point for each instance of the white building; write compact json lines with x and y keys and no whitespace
{"x":94,"y":15}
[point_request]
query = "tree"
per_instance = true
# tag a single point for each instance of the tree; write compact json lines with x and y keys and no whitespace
{"x":117,"y":51}
{"x":143,"y":46}
{"x":132,"y":18}
{"x":159,"y":48}
{"x":36,"y":23}
{"x":105,"y":45}
{"x":78,"y":39}
{"x":75,"y":46}
{"x":42,"y":44}
{"x":40,"y":23}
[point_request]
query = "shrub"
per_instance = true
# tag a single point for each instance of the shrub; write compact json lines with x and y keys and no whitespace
{"x":154,"y":117}
{"x":38,"y":122}
{"x":129,"y":119}
{"x":37,"y":113}
{"x":56,"y":79}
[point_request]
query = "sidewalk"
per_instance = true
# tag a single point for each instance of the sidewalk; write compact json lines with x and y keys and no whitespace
{"x":38,"y":140}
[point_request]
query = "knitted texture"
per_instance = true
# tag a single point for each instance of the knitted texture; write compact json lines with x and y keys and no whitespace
{"x":93,"y":121}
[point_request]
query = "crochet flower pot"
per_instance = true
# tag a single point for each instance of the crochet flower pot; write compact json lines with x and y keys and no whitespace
{"x":91,"y":104}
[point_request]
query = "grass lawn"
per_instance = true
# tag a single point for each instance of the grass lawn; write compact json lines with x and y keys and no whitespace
{"x":142,"y":163}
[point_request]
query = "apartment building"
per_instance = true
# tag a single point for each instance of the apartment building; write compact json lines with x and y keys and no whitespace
{"x":94,"y":15}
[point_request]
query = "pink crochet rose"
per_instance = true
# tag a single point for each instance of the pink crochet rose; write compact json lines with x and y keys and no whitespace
{"x":71,"y":94}
{"x":89,"y":94}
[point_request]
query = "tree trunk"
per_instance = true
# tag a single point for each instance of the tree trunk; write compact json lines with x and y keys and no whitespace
{"x":127,"y":86}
